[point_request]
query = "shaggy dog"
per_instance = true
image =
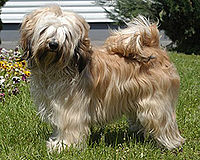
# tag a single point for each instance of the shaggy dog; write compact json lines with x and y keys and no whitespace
{"x":75,"y":85}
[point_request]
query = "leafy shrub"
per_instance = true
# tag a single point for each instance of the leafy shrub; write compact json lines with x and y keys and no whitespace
{"x":125,"y":10}
{"x":179,"y":19}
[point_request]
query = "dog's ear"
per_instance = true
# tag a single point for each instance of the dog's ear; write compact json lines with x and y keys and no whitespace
{"x":26,"y":32}
{"x":80,"y":59}
{"x":82,"y":54}
{"x":27,"y":53}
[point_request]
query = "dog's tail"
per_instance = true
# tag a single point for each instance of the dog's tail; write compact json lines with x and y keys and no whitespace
{"x":131,"y":41}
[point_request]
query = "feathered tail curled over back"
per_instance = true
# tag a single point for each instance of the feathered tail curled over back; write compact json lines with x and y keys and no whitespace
{"x":131,"y":41}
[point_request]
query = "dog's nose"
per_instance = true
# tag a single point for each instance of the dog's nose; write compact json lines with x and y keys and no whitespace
{"x":53,"y":45}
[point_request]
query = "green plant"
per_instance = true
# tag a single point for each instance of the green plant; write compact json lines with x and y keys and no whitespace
{"x":179,"y":19}
{"x":125,"y":10}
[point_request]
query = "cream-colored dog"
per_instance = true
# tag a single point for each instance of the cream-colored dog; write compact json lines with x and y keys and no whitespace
{"x":75,"y":85}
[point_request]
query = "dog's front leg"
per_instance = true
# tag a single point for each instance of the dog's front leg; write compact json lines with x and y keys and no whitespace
{"x":72,"y":129}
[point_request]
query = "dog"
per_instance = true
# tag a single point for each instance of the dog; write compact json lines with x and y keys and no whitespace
{"x":76,"y":85}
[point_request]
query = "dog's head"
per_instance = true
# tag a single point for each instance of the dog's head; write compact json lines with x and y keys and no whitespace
{"x":53,"y":38}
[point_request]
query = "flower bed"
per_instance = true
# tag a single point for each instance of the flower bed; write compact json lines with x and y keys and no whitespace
{"x":13,"y":74}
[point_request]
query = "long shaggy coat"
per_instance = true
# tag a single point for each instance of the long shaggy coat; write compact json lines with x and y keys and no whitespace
{"x":76,"y":85}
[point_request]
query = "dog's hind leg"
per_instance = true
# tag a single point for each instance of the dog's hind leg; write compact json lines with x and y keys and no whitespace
{"x":157,"y":116}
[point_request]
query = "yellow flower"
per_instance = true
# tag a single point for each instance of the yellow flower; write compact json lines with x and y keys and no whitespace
{"x":16,"y":65}
{"x":22,"y":64}
{"x":9,"y":67}
{"x":3,"y":64}
{"x":27,"y":73}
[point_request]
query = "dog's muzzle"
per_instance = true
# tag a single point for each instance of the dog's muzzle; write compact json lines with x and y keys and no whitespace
{"x":53,"y":45}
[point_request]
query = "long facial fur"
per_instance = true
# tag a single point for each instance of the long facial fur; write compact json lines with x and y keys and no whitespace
{"x":43,"y":25}
{"x":130,"y":74}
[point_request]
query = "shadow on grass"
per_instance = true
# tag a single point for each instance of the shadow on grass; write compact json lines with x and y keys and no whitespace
{"x":113,"y":138}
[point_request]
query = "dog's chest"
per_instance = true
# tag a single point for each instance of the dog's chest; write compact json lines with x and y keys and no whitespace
{"x":50,"y":88}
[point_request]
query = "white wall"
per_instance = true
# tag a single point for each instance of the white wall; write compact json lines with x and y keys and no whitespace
{"x":14,"y":10}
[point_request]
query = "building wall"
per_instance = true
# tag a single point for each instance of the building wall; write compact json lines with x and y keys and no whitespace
{"x":14,"y":10}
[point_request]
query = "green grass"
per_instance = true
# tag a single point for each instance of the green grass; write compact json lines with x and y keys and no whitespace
{"x":23,"y":135}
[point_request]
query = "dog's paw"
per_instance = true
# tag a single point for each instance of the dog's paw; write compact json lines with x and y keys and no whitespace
{"x":56,"y":145}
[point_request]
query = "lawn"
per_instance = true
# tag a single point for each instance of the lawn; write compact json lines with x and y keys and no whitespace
{"x":23,"y":135}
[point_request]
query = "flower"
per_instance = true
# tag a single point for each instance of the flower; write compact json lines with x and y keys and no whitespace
{"x":2,"y":97}
{"x":27,"y":73}
{"x":2,"y":94}
{"x":13,"y":74}
{"x":15,"y":91}
{"x":2,"y":80}
{"x":15,"y":80}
